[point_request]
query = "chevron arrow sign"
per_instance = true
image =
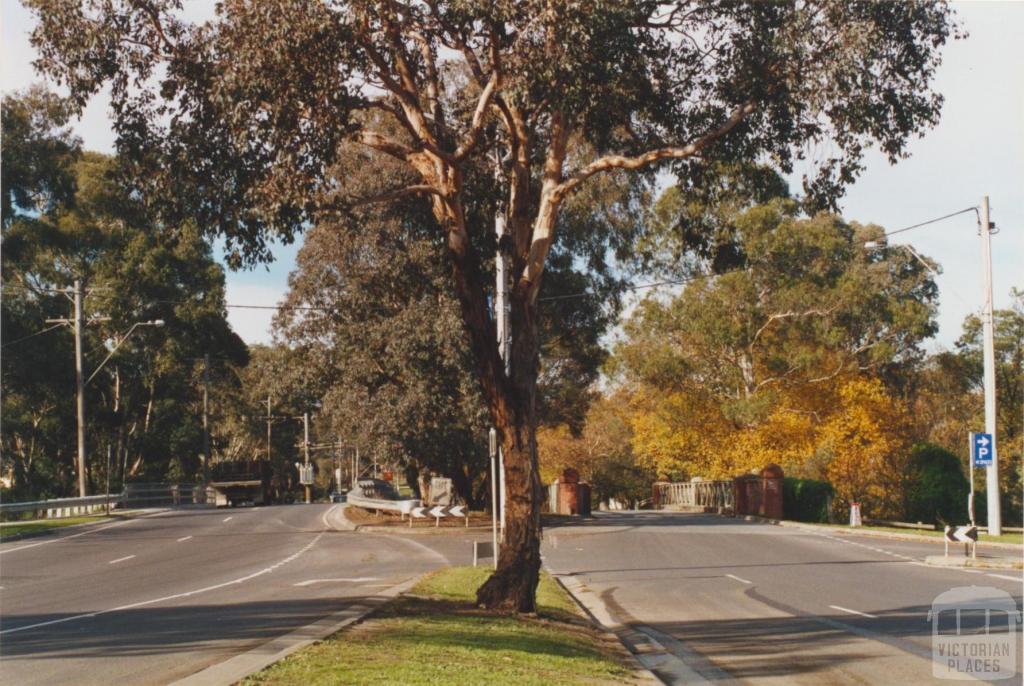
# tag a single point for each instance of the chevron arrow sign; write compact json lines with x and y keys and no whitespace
{"x":962,"y":534}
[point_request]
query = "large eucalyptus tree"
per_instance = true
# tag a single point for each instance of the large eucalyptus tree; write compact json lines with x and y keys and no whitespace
{"x":238,"y":118}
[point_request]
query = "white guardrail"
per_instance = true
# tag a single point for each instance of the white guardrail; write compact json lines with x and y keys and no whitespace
{"x":63,"y":507}
{"x":135,"y":495}
{"x":402,"y":506}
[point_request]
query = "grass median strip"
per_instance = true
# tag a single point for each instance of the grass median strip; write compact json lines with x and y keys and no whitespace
{"x":436,"y":636}
{"x":28,"y":528}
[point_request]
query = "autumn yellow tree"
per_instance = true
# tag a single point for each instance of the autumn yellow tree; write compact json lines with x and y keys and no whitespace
{"x":868,"y":440}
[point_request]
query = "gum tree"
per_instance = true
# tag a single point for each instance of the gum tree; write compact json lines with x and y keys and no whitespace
{"x":237,"y":119}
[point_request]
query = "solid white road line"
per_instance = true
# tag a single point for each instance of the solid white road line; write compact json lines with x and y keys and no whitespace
{"x":1008,"y":578}
{"x":356,"y":579}
{"x":176,"y":596}
{"x":742,"y":581}
{"x":184,"y":538}
{"x":120,"y":559}
{"x":853,"y":612}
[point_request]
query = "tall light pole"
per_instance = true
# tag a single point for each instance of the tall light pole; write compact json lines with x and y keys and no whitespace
{"x":501,"y":317}
{"x":77,"y":322}
{"x":995,"y":519}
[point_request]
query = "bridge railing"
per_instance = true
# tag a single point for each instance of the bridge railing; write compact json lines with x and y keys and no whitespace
{"x":697,"y":494}
{"x":134,"y":495}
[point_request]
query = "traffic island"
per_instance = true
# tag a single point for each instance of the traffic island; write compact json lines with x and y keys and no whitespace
{"x":384,"y":521}
{"x":977,"y":562}
{"x":435,"y":634}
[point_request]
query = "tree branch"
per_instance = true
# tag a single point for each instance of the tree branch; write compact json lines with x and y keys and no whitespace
{"x":612,"y":162}
{"x":388,"y":196}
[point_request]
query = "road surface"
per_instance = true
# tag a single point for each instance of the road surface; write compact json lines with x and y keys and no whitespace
{"x":154,"y":599}
{"x":750,"y":603}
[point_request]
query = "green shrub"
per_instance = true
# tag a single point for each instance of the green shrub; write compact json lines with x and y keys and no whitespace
{"x":806,"y":500}
{"x":937,"y":492}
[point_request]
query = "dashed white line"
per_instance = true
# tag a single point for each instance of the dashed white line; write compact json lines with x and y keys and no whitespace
{"x":742,"y":581}
{"x":176,"y":596}
{"x":853,"y":612}
{"x":184,"y":538}
{"x":228,"y":519}
{"x":120,"y":559}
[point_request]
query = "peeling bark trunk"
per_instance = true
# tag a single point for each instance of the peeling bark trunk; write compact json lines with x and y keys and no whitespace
{"x":513,"y":585}
{"x":512,"y":406}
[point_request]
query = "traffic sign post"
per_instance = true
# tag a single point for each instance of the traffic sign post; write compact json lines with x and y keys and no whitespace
{"x":438,"y":511}
{"x":981,"y":449}
{"x":968,"y":535}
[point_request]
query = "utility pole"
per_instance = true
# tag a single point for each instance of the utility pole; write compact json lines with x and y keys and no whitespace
{"x":206,"y":418}
{"x":269,"y":419}
{"x":80,"y":386}
{"x":504,"y":335}
{"x":995,"y":519}
{"x":305,"y":446}
{"x":77,"y":321}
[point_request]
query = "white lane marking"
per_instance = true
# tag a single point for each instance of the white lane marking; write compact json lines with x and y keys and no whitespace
{"x":853,"y":612}
{"x":120,"y":559}
{"x":228,"y":519}
{"x":1008,"y":578}
{"x":355,"y":580}
{"x":90,"y":530}
{"x":742,"y":581}
{"x":176,"y":596}
{"x":183,"y":538}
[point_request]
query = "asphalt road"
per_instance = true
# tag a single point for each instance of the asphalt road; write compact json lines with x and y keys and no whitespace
{"x":749,"y":603}
{"x":154,"y":599}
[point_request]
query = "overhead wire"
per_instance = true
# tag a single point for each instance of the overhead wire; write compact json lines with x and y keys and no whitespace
{"x":550,"y":298}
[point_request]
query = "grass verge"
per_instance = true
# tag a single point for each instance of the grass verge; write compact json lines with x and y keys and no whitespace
{"x":435,"y":636}
{"x":35,"y":526}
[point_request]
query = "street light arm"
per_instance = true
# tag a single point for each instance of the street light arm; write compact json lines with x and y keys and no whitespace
{"x":156,"y":322}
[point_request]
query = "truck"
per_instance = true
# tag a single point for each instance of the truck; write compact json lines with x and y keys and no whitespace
{"x":241,"y":482}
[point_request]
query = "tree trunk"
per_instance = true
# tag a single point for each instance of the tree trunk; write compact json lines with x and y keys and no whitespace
{"x":512,"y":404}
{"x":513,"y":585}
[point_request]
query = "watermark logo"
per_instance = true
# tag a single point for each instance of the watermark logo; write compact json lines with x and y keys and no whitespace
{"x":974,"y":634}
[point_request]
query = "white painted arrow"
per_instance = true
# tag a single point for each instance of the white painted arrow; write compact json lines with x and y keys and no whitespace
{"x":438,"y":511}
{"x":418,"y":512}
{"x":457,"y":511}
{"x":355,"y":580}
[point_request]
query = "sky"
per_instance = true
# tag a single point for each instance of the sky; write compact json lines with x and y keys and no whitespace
{"x":976,"y":150}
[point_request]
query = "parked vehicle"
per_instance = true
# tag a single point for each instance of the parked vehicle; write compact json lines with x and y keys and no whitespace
{"x":241,"y":482}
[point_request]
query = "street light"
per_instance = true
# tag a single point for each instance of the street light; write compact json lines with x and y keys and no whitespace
{"x":153,"y":322}
{"x":77,"y":321}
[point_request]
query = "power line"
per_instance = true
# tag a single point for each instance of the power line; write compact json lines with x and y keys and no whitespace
{"x":931,"y":221}
{"x":550,"y":298}
{"x":33,"y":335}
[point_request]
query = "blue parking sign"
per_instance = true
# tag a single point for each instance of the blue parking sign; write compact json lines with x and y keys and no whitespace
{"x":982,"y":448}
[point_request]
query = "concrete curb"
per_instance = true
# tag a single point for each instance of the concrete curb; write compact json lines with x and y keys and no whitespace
{"x":867,"y":532}
{"x":643,"y":673}
{"x":979,"y":563}
{"x":234,"y":669}
{"x":662,"y":665}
